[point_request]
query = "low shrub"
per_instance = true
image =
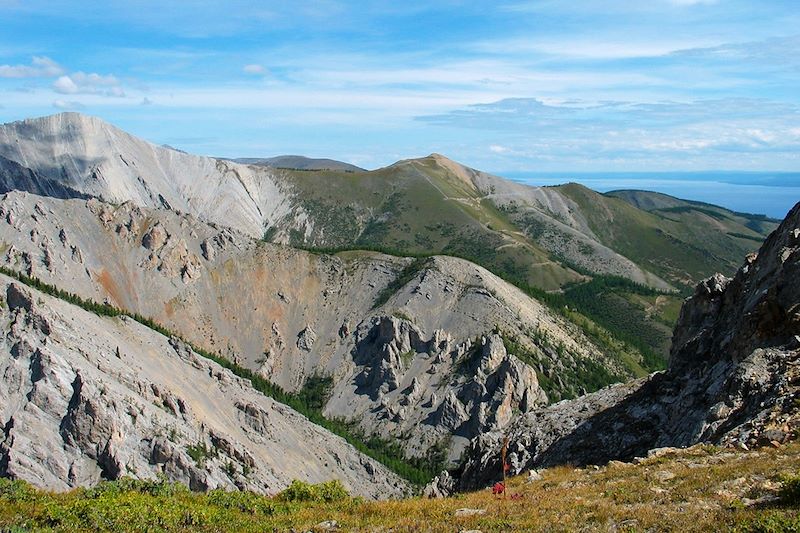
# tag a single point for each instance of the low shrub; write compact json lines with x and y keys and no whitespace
{"x":790,"y":489}
{"x":300,"y":491}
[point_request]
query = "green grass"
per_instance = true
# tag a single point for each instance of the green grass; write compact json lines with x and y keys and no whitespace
{"x":705,"y":495}
{"x":604,"y":300}
{"x":677,"y":243}
{"x":586,"y":375}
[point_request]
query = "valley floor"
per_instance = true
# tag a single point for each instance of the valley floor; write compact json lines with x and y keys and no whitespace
{"x":701,"y":488}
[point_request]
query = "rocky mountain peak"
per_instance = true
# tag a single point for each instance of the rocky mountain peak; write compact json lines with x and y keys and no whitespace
{"x":733,"y":379}
{"x":758,"y":307}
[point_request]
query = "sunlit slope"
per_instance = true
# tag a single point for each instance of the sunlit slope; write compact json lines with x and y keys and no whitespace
{"x":418,"y":207}
{"x":682,"y":242}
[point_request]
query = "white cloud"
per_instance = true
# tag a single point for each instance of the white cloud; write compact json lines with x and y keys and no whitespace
{"x":499,"y":149}
{"x":66,"y":105}
{"x":83,"y":83}
{"x":81,"y":78}
{"x":65,"y":85}
{"x":254,"y":69}
{"x":742,"y":132}
{"x":40,"y":67}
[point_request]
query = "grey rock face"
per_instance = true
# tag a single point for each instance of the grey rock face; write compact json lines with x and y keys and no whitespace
{"x":70,"y":155}
{"x":306,"y":339}
{"x":288,"y":314}
{"x":733,"y":374}
{"x":86,"y":398}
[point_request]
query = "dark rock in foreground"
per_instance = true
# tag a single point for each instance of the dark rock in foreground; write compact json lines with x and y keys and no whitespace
{"x":733,"y":379}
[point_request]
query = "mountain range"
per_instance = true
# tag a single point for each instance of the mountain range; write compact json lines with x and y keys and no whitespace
{"x":414,"y":309}
{"x":545,"y":238}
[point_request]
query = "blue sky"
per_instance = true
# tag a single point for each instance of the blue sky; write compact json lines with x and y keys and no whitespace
{"x":504,"y":86}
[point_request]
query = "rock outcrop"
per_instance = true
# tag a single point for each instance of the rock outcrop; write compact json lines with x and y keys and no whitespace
{"x":86,"y":398}
{"x":289,"y":315}
{"x":733,"y":379}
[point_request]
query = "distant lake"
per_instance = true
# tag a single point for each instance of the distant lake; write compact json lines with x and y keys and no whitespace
{"x":768,"y":193}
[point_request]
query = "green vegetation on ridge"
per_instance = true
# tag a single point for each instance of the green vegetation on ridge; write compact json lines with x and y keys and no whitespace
{"x":430,"y":206}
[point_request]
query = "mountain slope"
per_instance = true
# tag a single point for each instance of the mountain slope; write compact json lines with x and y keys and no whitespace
{"x":299,"y":162}
{"x":733,"y":378}
{"x":548,"y":238}
{"x":89,"y":398}
{"x":87,"y":155}
{"x":530,"y":234}
{"x":413,"y":348}
{"x":683,"y":210}
{"x":434,"y":204}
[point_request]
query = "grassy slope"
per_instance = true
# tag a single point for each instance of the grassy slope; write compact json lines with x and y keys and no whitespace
{"x":417,"y":207}
{"x":698,"y":489}
{"x":420,"y":207}
{"x":682,"y":243}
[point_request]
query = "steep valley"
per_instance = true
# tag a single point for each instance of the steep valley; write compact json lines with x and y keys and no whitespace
{"x":414,"y":348}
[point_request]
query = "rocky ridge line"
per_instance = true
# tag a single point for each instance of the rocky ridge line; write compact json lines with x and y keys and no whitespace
{"x":733,"y":379}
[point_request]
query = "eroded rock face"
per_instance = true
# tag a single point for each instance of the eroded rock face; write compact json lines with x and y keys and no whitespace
{"x":86,"y":398}
{"x":733,"y":379}
{"x":288,"y":314}
{"x":486,"y":385}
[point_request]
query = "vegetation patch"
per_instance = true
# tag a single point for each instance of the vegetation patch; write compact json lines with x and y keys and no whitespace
{"x":201,"y":452}
{"x":300,"y":491}
{"x":603,"y":300}
{"x":578,"y":376}
{"x":745,"y":236}
{"x":790,"y":489}
{"x":408,"y":273}
{"x":316,"y":391}
{"x":706,"y":494}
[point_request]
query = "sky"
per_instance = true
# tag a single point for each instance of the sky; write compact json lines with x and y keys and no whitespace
{"x":505,"y":86}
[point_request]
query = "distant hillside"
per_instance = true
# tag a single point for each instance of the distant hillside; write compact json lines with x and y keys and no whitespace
{"x":299,"y":162}
{"x":676,"y":208}
{"x":619,"y":260}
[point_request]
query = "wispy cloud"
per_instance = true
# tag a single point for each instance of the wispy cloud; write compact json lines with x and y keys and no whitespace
{"x":579,"y":83}
{"x":777,"y":50}
{"x":83,"y":83}
{"x":66,"y":105}
{"x":254,"y":69}
{"x":702,"y":131}
{"x":40,"y":67}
